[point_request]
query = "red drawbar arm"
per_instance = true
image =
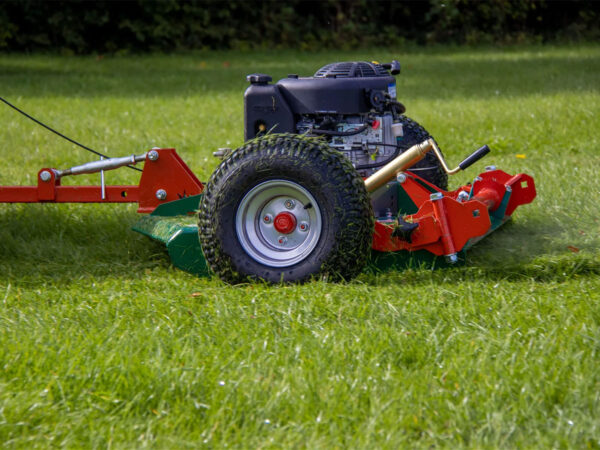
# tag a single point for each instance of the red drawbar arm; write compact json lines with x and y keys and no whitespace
{"x":164,"y":178}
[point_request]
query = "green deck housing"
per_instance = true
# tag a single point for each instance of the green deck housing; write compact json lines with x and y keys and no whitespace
{"x":175,"y":224}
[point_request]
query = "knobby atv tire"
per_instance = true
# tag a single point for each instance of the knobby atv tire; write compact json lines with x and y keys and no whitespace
{"x":429,"y":168}
{"x":346,"y":214}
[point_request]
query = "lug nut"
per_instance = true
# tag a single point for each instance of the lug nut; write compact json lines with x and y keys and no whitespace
{"x":268,"y":218}
{"x":161,"y":194}
{"x":401,"y":177}
{"x":45,"y":176}
{"x":289,"y":204}
{"x":152,"y":155}
{"x":303,"y":226}
{"x":282,"y":240}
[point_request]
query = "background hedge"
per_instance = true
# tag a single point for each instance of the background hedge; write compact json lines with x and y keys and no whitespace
{"x":113,"y":26}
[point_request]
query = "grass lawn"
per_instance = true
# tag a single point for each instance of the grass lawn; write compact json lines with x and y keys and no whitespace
{"x":104,"y":344}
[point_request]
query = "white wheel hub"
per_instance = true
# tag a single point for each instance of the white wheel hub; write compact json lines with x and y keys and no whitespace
{"x":278,"y":223}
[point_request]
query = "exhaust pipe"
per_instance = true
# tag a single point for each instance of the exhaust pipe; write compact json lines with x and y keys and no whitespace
{"x":399,"y":164}
{"x":412,"y":156}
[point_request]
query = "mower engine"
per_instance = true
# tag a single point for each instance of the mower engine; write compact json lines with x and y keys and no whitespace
{"x":352,"y":104}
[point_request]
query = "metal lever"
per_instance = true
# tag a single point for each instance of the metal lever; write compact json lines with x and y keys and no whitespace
{"x":103,"y":164}
{"x":413,"y":155}
{"x":468,"y":161}
{"x":474,"y":157}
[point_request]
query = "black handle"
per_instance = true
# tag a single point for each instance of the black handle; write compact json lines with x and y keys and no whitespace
{"x":474,"y":157}
{"x":393,"y":67}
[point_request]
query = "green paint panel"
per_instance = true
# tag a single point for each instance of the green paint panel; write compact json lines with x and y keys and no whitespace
{"x":163,"y":228}
{"x":184,"y":206}
{"x":175,"y":224}
{"x":406,"y":206}
{"x":186,"y":253}
{"x":426,"y":186}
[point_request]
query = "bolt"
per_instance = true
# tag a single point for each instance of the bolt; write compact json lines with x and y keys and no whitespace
{"x":490,"y":168}
{"x":303,"y":226}
{"x":508,"y":188}
{"x":282,"y":240}
{"x":452,"y":258}
{"x":161,"y":194}
{"x":222,"y":153}
{"x":436,"y":196}
{"x":268,"y":218}
{"x":463,"y":196}
{"x":289,"y":204}
{"x":401,"y":177}
{"x":152,"y":155}
{"x":45,"y":176}
{"x":476,"y":179}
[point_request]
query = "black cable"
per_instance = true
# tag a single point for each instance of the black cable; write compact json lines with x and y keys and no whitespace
{"x":340,"y":133}
{"x":59,"y":134}
{"x":382,"y":144}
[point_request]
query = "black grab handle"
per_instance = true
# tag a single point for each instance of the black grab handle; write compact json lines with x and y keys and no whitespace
{"x":474,"y":157}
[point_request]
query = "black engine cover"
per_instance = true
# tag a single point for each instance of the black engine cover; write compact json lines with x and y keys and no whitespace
{"x":332,"y":95}
{"x":338,"y":88}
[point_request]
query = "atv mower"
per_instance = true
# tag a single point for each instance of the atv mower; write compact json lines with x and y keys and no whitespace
{"x":333,"y":177}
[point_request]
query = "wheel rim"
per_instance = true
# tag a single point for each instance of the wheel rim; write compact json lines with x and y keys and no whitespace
{"x":278,"y":223}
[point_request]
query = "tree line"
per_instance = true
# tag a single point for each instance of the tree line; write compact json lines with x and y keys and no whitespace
{"x":138,"y":25}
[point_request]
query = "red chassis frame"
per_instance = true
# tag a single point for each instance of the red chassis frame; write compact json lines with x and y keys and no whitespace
{"x":447,"y":221}
{"x":164,"y":179}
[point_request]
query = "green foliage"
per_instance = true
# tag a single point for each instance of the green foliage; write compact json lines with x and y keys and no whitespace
{"x":474,"y":22}
{"x":104,"y":344}
{"x":118,"y":26}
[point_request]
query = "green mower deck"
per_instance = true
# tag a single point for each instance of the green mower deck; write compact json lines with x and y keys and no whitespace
{"x":175,"y":225}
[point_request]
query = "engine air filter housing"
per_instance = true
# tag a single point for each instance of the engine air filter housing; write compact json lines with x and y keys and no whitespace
{"x":341,"y":88}
{"x":351,"y":70}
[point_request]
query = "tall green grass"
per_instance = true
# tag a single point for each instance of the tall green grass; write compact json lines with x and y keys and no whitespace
{"x":104,"y":344}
